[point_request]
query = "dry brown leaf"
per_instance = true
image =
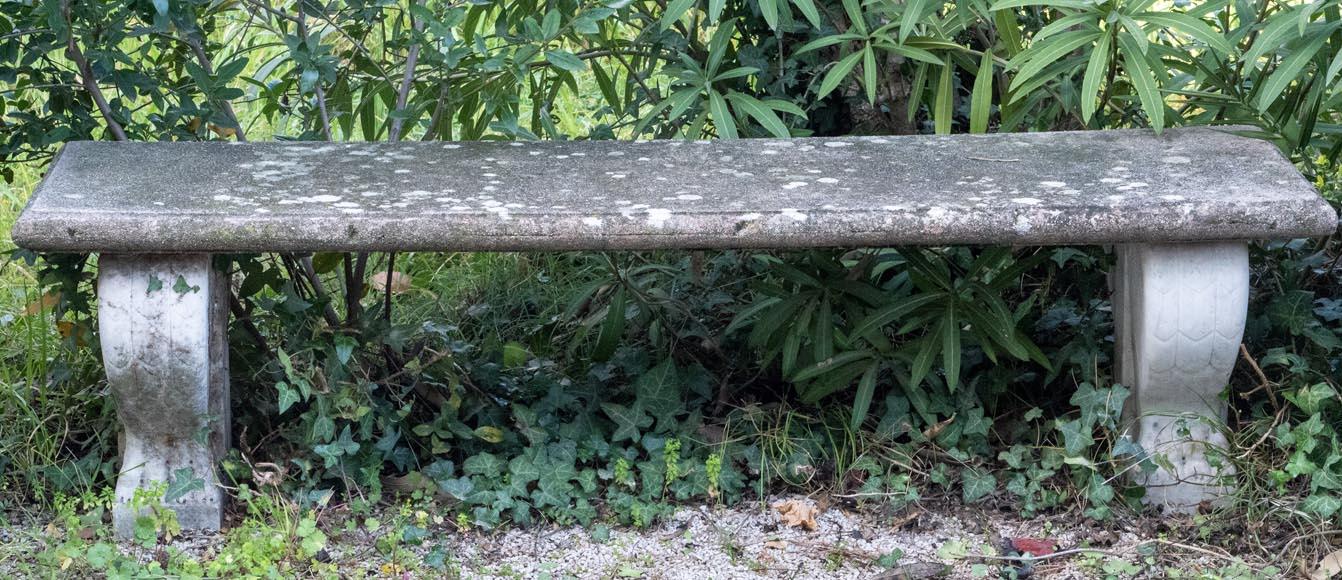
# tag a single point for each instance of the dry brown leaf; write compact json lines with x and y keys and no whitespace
{"x":776,"y":545}
{"x":46,"y":301}
{"x":399,"y":282}
{"x":1329,"y":567}
{"x":933,"y":431}
{"x":797,"y":514}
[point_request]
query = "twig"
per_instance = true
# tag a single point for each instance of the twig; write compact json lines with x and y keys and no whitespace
{"x":205,"y":63}
{"x":91,"y":84}
{"x":1263,"y":384}
{"x":407,"y":78}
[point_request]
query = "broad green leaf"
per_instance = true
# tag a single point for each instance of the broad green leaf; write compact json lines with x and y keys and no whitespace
{"x":1096,"y":71}
{"x":854,"y":10}
{"x":674,"y":11}
{"x":943,"y":114}
{"x":715,"y":10}
{"x":1084,"y":19}
{"x":926,"y":354}
{"x":287,"y":396}
{"x":866,"y":388}
{"x":808,"y":10}
{"x":722,"y":117}
{"x":738,"y":72}
{"x":1037,"y":57}
{"x":760,"y":112}
{"x":869,"y":73}
{"x":884,"y":316}
{"x":1192,"y":27}
{"x":913,"y":13}
{"x":183,"y":481}
{"x":612,"y":328}
{"x":829,"y":41}
{"x":1288,"y":71}
{"x":976,"y":484}
{"x":1140,"y":75}
{"x":981,"y":101}
{"x":1278,"y":33}
{"x":769,"y":10}
{"x":911,"y":52}
{"x":828,"y":364}
{"x":950,"y":348}
{"x":629,"y":421}
{"x":837,"y":74}
{"x":1008,"y":31}
{"x":565,"y":60}
{"x":1004,"y":4}
{"x":1136,"y":31}
{"x":659,"y":393}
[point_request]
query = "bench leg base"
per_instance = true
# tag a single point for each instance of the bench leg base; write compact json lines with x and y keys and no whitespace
{"x":162,"y":323}
{"x":1179,"y":312}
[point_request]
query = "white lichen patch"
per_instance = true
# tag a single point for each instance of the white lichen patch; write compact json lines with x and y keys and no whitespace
{"x":794,"y":214}
{"x":594,"y":222}
{"x":827,"y":180}
{"x":657,"y":217}
{"x":1176,"y":160}
{"x":837,"y":144}
{"x":1027,"y":200}
{"x":794,"y":184}
{"x":1053,"y":184}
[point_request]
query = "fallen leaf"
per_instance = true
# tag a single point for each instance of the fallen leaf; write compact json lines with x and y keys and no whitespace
{"x":915,"y":571}
{"x":46,"y":301}
{"x":797,"y":514}
{"x":776,"y":545}
{"x":1329,"y":567}
{"x":1034,"y":546}
{"x":399,"y":282}
{"x":931,"y":432}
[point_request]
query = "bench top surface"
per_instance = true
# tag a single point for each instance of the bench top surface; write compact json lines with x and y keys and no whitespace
{"x":1032,"y":188}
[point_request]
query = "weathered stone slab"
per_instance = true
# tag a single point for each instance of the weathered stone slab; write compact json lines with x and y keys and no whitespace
{"x":1038,"y":188}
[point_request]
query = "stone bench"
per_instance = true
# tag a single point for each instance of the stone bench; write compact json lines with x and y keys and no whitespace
{"x":1180,"y":209}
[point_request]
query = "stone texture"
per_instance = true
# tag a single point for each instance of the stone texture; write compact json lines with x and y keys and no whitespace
{"x":162,"y":324}
{"x":1037,"y":188}
{"x":1179,"y":312}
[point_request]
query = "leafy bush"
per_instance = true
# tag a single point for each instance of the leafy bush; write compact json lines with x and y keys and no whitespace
{"x":566,"y":385}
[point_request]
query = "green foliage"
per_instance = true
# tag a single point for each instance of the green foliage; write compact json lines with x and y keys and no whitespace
{"x":586,"y":387}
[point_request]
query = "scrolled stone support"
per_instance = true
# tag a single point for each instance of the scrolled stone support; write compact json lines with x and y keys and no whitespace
{"x":1179,"y":313}
{"x":162,"y":323}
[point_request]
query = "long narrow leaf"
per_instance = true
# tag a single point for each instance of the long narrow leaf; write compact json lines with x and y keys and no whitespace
{"x":982,"y":99}
{"x":1140,"y":75}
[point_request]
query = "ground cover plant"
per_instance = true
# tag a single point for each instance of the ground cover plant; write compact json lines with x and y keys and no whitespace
{"x":604,"y":388}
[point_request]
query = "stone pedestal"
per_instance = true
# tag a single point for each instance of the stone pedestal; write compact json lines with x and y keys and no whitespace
{"x":1179,"y":312}
{"x":162,"y":322}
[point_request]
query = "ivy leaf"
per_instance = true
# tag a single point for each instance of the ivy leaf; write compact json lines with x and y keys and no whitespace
{"x":287,"y":396}
{"x":483,"y":464}
{"x":183,"y":481}
{"x":628,"y":420}
{"x":976,"y":484}
{"x":459,"y":488}
{"x":1076,"y":437}
{"x":182,"y":287}
{"x":659,"y":393}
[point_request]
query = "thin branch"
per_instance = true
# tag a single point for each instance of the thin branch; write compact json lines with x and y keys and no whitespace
{"x":205,"y":63}
{"x":407,"y":78}
{"x":91,"y":85}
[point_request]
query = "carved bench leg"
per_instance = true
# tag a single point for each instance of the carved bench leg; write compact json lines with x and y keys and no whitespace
{"x":1179,"y":312}
{"x":162,"y":322}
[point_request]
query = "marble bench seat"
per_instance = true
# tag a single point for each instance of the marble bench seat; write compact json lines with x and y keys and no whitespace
{"x":1179,"y":207}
